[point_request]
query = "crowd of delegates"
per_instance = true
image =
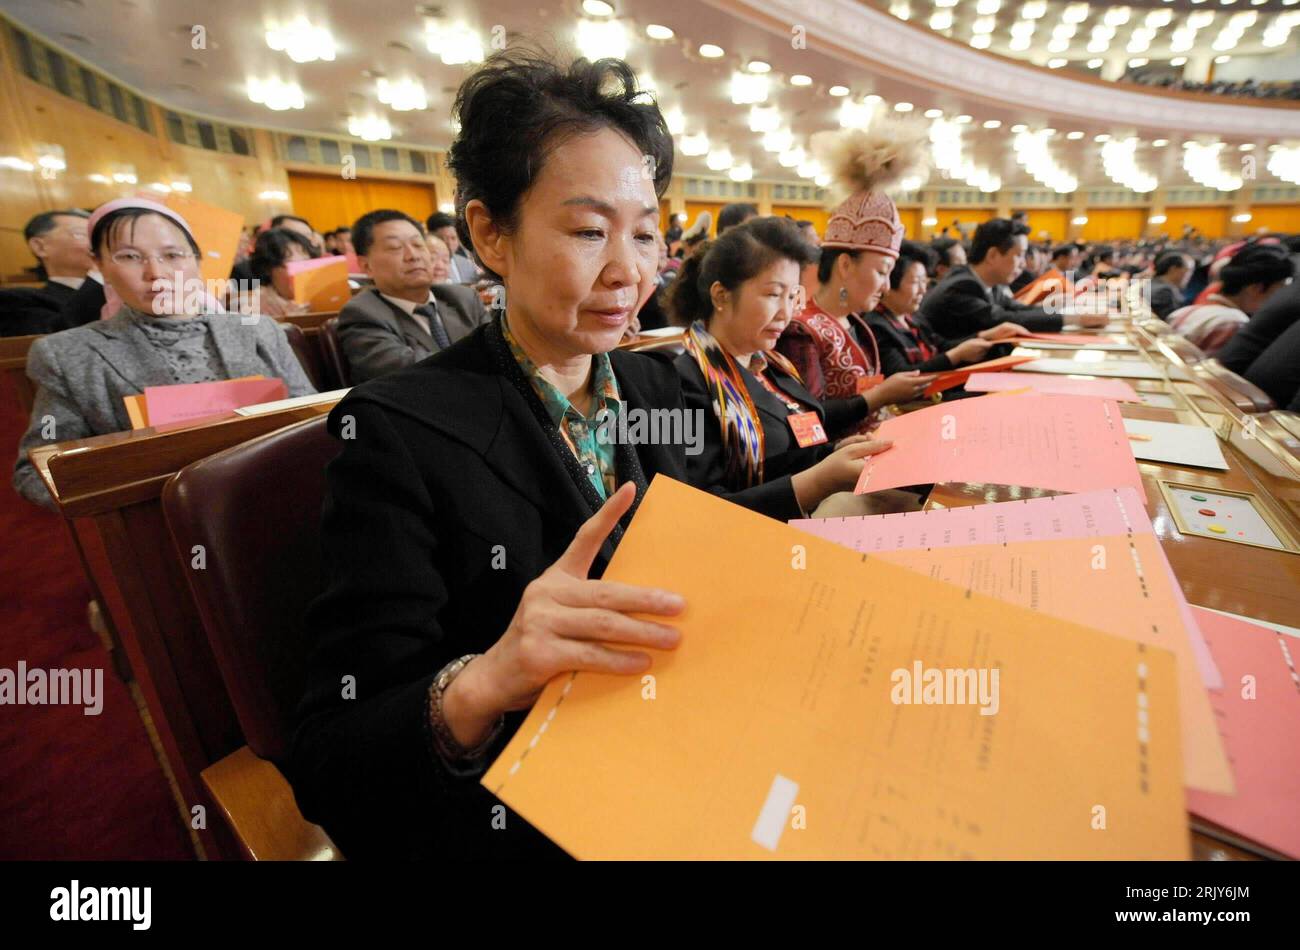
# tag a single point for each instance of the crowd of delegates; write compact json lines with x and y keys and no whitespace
{"x":483,"y":377}
{"x":1246,"y":87}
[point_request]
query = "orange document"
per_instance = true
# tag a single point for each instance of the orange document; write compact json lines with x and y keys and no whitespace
{"x":955,"y":377}
{"x":137,"y":411}
{"x":189,"y":401}
{"x":792,"y":722}
{"x":321,"y":283}
{"x":216,"y":231}
{"x":1038,"y":440}
{"x":1258,"y":713}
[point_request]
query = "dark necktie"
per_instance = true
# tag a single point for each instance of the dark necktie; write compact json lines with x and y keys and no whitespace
{"x":436,"y":329}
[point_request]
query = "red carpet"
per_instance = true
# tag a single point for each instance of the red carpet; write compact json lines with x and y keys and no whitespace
{"x":71,"y":785}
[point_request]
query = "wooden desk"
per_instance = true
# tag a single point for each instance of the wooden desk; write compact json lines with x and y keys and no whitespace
{"x":1263,"y":455}
{"x":110,"y":486}
{"x":13,"y":364}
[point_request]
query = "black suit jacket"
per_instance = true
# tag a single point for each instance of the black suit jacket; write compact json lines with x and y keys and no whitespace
{"x":782,"y":456}
{"x":899,"y":352}
{"x":1277,"y":369}
{"x":1266,"y":324}
{"x":84,"y":306}
{"x":448,"y":498}
{"x":25,"y":311}
{"x":379,"y":337}
{"x":960,"y":306}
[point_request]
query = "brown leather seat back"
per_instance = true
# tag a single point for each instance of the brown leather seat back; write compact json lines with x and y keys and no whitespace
{"x":305,"y":352}
{"x":334,"y":358}
{"x":246,"y":524}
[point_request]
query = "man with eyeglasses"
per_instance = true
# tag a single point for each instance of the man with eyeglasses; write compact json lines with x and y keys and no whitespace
{"x":59,"y":242}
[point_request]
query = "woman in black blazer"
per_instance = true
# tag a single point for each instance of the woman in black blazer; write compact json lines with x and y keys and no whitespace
{"x":471,"y":501}
{"x":767,"y":441}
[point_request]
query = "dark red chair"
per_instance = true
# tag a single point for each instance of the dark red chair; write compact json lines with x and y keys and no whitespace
{"x":335,"y":359}
{"x":253,"y":511}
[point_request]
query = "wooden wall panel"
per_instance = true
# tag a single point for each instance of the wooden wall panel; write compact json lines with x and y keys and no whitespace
{"x":1054,"y":221}
{"x":1111,"y":224}
{"x":1284,"y":219}
{"x":1210,"y":220}
{"x":331,"y":201}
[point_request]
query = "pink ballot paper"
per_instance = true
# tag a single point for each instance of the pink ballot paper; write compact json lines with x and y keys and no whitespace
{"x":1064,"y":385}
{"x":1038,"y":440}
{"x":1258,"y":712}
{"x":188,"y":401}
{"x":1094,"y":514}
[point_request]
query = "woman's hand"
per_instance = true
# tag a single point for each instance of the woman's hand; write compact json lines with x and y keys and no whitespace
{"x":969,"y":351}
{"x":901,"y":387}
{"x":562,"y":623}
{"x":839,"y":471}
{"x":1003,"y":331}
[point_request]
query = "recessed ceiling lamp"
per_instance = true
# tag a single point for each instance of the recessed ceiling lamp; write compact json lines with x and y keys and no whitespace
{"x":799,"y":79}
{"x":1074,"y":136}
{"x":1159,"y":143}
{"x":455,"y":44}
{"x":694,"y":144}
{"x":710,"y":51}
{"x":748,"y":89}
{"x":933,"y":113}
{"x":758,"y":66}
{"x":372,"y":128}
{"x":276,"y":95}
{"x":404,"y":95}
{"x":597,"y":8}
{"x":838,"y":91}
{"x":993,"y":124}
{"x":601,"y":38}
{"x":741,"y":172}
{"x":303,"y":42}
{"x":719,"y":159}
{"x":903,"y":107}
{"x":657,"y":32}
{"x":1056,"y":63}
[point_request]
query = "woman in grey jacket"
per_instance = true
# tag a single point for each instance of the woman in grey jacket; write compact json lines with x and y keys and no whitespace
{"x":150,"y":262}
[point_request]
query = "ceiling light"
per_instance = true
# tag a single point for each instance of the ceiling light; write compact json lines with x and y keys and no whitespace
{"x":856,"y":115}
{"x":809,"y":169}
{"x":16,"y":163}
{"x":1242,"y":218}
{"x":676,"y":120}
{"x":273,"y":195}
{"x":1101,"y":138}
{"x":941,"y":20}
{"x":182,"y":186}
{"x":709,"y":51}
{"x":1019,"y":43}
{"x":694,"y":144}
{"x":719,"y":159}
{"x":747,"y":88}
{"x":799,"y":79}
{"x":1139,"y":61}
{"x":1019,"y":127}
{"x":1201,"y":162}
{"x":1034,"y":9}
{"x":597,"y":39}
{"x":303,"y":42}
{"x":792,"y":158}
{"x":984,"y":24}
{"x":981,"y":41}
{"x":903,"y":107}
{"x":758,"y":66}
{"x":1056,"y":63}
{"x":159,"y":187}
{"x":1222,"y":59}
{"x":1285,"y":162}
{"x":933,"y":113}
{"x":403,"y":95}
{"x":962,"y":119}
{"x":988,"y":7}
{"x":124,"y":174}
{"x":780,"y":140}
{"x":1075,"y":13}
{"x":901,"y":9}
{"x":1096,"y":63}
{"x":597,"y":8}
{"x":1080,"y":220}
{"x":97,"y":179}
{"x":1064,"y":30}
{"x":1178,"y":61}
{"x":1248,"y":147}
{"x":1119,"y":159}
{"x":276,"y":95}
{"x":1117,"y":16}
{"x":1158,"y":219}
{"x":838,"y":90}
{"x":1160,"y":143}
{"x":372,"y":128}
{"x":456,"y":44}
{"x":993,"y":124}
{"x":657,"y":32}
{"x":823,"y":180}
{"x":764,"y":118}
{"x":1023,"y":28}
{"x":50,"y":159}
{"x":1074,"y":136}
{"x":741,"y":172}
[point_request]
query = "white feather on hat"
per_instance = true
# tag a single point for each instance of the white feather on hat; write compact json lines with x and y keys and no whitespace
{"x":872,"y":159}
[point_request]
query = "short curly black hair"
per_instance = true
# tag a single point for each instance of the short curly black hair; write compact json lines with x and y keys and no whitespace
{"x":521,"y":103}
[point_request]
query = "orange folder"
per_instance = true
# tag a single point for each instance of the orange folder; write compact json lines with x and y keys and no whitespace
{"x":955,"y":377}
{"x":186,"y":402}
{"x":322,"y":283}
{"x":789,"y":723}
{"x":216,"y":230}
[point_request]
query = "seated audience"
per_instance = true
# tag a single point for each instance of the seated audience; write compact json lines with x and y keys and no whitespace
{"x":405,"y":316}
{"x":962,"y":303}
{"x":463,"y":268}
{"x":81,"y":375}
{"x":737,"y":295}
{"x":829,"y":342}
{"x":58,"y":241}
{"x":1173,"y":271}
{"x":439,"y":258}
{"x":696,"y":234}
{"x":1277,"y":369}
{"x":1054,"y":280}
{"x":1247,"y":280}
{"x":905,"y":338}
{"x":734,"y":214}
{"x":949,"y":253}
{"x":473,"y":498}
{"x":1266,"y":324}
{"x":274,"y":295}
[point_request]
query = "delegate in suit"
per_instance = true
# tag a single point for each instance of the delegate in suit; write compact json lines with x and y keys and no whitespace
{"x":405,"y":317}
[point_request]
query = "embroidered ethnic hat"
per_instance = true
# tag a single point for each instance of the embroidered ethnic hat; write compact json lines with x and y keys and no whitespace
{"x":864,"y":164}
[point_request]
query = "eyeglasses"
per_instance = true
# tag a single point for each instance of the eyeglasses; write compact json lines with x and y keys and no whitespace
{"x":136,"y":259}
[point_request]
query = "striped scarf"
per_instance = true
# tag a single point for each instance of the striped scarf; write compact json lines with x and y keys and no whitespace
{"x":742,"y":430}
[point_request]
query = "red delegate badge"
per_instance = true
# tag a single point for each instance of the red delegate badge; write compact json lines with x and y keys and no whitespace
{"x":807,"y":428}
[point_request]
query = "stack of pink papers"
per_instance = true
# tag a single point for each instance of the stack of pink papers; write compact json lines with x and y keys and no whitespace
{"x":168,"y":404}
{"x":1258,"y":711}
{"x":1064,"y":385}
{"x":1036,"y":440}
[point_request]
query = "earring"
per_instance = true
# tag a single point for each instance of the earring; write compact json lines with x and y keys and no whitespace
{"x":844,"y":295}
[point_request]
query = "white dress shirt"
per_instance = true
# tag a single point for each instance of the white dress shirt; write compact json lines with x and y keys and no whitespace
{"x":408,"y":307}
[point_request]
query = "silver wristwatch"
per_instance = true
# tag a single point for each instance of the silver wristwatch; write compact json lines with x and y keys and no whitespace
{"x":451,"y":750}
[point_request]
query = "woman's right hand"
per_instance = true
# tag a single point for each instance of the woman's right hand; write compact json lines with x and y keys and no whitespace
{"x":900,"y":387}
{"x":969,"y":351}
{"x":563,"y":623}
{"x":839,"y":471}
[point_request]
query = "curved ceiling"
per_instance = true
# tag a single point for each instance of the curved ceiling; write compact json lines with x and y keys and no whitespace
{"x":151,"y":45}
